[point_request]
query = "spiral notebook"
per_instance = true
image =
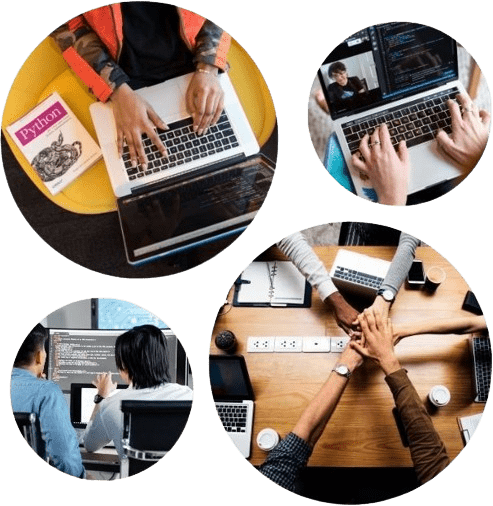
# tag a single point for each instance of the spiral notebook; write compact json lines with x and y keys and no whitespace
{"x":272,"y":284}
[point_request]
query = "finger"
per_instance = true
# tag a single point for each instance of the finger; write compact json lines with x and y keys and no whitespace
{"x":375,"y":139}
{"x":444,"y":141}
{"x":139,"y":148}
{"x":385,"y":137}
{"x":200,"y":105}
{"x":207,"y":110}
{"x":219,"y":108}
{"x":364,"y":148}
{"x":119,"y":142}
{"x":403,"y":152}
{"x":455,"y":114}
{"x":370,"y":318}
{"x":485,"y":117}
{"x":131,"y":150}
{"x":359,"y":164}
{"x":357,"y":347}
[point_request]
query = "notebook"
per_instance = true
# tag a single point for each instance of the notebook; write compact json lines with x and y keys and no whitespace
{"x":357,"y":273}
{"x":272,"y":284}
{"x":468,"y":425}
{"x":400,"y":74}
{"x":209,"y":187}
{"x":234,"y":398}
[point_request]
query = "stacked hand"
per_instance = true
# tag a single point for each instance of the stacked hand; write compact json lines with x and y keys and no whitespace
{"x":104,"y":384}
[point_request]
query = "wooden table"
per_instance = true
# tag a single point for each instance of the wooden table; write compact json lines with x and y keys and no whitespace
{"x":362,"y":431}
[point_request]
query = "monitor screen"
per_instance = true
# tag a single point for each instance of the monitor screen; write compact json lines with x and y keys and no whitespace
{"x":386,"y":62}
{"x":114,"y":314}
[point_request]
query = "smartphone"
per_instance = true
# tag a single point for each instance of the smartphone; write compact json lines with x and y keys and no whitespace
{"x":416,"y":275}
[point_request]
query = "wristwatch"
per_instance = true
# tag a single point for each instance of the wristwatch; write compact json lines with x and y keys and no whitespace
{"x":388,"y":295}
{"x":98,"y":398}
{"x":342,"y":370}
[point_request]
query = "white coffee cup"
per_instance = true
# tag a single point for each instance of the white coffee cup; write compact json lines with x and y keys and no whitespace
{"x":267,"y":439}
{"x":439,"y":396}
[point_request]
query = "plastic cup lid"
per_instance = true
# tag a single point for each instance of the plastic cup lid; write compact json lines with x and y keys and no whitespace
{"x":440,"y":394}
{"x":267,"y":439}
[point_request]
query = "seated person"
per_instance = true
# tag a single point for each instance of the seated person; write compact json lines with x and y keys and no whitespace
{"x":136,"y":44}
{"x":428,"y":452}
{"x":141,"y":357}
{"x":463,"y":325}
{"x":31,"y":393}
{"x":346,"y":91}
{"x":297,"y":249}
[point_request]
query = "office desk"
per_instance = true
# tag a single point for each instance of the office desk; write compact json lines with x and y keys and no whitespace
{"x":362,"y":431}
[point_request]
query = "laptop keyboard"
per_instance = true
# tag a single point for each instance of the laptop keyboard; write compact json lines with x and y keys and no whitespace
{"x":183,"y":145}
{"x":415,"y":122}
{"x":358,"y":277}
{"x":233,"y":417}
{"x":482,"y":366}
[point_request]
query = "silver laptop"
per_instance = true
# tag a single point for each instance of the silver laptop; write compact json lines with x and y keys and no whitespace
{"x":232,"y":138}
{"x":357,"y":273}
{"x":400,"y":74}
{"x":233,"y":395}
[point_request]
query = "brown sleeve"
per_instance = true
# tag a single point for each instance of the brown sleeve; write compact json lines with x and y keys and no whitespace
{"x":427,"y":449}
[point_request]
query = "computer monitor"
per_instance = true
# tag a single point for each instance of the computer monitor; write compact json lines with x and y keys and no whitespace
{"x":115,"y":314}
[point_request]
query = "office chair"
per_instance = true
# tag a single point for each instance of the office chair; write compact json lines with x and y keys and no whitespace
{"x":150,"y":429}
{"x":28,"y":424}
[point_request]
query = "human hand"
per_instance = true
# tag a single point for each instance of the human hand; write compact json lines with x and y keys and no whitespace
{"x":135,"y":117}
{"x":345,"y":314}
{"x":470,"y":128}
{"x":380,"y":306}
{"x":205,"y":98}
{"x":351,"y":358}
{"x":377,"y":341}
{"x":104,"y":384}
{"x":387,"y":169}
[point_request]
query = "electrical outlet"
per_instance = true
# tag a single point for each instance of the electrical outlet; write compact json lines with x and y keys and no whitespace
{"x":289,"y":344}
{"x":260,"y":344}
{"x":316,"y":344}
{"x":337,"y":344}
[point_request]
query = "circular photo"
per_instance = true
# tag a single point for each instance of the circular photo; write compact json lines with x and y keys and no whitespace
{"x":140,"y":139}
{"x":350,"y":353}
{"x":101,"y":389}
{"x":399,"y":113}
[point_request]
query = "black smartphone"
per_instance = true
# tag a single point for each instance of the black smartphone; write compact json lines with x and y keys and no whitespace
{"x":416,"y":275}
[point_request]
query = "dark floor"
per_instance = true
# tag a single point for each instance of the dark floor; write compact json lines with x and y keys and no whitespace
{"x":95,"y":241}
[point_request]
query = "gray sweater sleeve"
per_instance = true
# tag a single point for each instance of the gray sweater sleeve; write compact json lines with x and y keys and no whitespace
{"x":401,"y":263}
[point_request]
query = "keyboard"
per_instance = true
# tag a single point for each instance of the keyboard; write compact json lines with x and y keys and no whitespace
{"x":360,"y":278}
{"x":482,"y":366}
{"x":183,"y":145}
{"x":414,"y":122}
{"x":233,"y":416}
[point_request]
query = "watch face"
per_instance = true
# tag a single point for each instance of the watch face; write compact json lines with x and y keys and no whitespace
{"x":388,"y":295}
{"x":342,"y":369}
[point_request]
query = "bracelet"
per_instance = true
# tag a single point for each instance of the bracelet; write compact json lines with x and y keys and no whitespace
{"x":203,"y":71}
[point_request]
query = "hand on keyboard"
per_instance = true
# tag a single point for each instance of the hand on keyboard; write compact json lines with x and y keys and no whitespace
{"x":387,"y":169}
{"x":205,"y":98}
{"x":135,"y":117}
{"x":469,"y":136}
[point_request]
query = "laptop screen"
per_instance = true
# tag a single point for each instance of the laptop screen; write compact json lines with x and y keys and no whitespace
{"x":384,"y":63}
{"x":229,"y":378}
{"x":162,"y":221}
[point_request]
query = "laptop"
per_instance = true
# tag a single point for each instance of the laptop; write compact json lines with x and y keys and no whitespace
{"x":208,"y":187}
{"x":400,"y":74}
{"x":481,"y":354}
{"x":233,"y":395}
{"x":82,"y":406}
{"x":358,"y":274}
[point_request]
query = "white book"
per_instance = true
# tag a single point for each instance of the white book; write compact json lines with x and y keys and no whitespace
{"x":54,"y":142}
{"x":468,"y":425}
{"x":272,"y":283}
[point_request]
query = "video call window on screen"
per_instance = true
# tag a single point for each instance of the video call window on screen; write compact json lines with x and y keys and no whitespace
{"x":386,"y":62}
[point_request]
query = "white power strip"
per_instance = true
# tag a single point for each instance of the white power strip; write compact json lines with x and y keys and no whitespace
{"x":296,"y":344}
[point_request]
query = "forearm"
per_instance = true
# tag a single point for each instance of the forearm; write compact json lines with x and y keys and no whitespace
{"x":401,"y":263}
{"x":427,"y":449}
{"x":297,"y":249}
{"x":465,"y":325}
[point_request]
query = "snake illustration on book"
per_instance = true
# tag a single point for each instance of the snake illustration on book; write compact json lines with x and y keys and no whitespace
{"x":54,"y":161}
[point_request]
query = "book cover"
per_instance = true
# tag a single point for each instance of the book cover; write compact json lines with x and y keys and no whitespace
{"x":55,"y":143}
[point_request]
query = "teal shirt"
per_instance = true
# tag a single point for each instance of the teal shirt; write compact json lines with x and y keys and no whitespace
{"x":45,"y":399}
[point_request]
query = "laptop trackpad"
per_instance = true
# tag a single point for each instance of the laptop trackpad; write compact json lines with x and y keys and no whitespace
{"x":168,"y":98}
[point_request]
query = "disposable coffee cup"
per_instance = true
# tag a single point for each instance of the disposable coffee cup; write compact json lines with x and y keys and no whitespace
{"x":267,"y":439}
{"x":439,"y":396}
{"x":435,"y":276}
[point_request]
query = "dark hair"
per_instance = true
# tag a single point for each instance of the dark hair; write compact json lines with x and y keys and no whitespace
{"x":142,"y":352}
{"x":33,"y":343}
{"x":336,"y":67}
